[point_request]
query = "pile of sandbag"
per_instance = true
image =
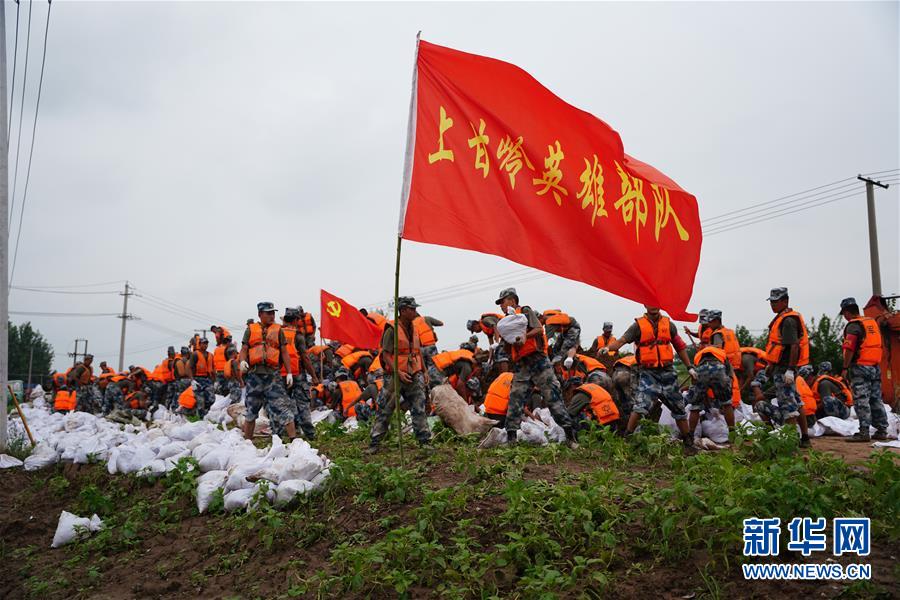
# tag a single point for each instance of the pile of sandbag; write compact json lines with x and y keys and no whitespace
{"x":456,"y":413}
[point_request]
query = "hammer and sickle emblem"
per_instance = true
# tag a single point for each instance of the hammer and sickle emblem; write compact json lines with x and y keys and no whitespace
{"x":334,"y":308}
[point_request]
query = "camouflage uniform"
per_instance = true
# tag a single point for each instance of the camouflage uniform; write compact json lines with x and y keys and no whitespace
{"x":601,"y":378}
{"x":204,"y":394}
{"x":300,"y":396}
{"x":156,"y":390}
{"x":175,"y":389}
{"x":113,"y":398}
{"x":267,"y":390}
{"x":787,"y":395}
{"x":659,"y":384}
{"x":560,"y":344}
{"x":88,"y":398}
{"x":711,"y":375}
{"x":624,"y":383}
{"x":535,"y":370}
{"x":411,"y":394}
{"x":833,"y":407}
{"x":435,"y":377}
{"x":865,"y":382}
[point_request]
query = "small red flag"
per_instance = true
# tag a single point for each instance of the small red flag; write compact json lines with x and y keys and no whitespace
{"x":497,"y":163}
{"x":342,"y":321}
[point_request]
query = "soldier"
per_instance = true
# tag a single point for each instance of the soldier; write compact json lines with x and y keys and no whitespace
{"x":563,"y":335}
{"x":181,"y":371}
{"x":411,"y":374}
{"x":590,"y":402}
{"x":223,"y":341}
{"x":833,"y":397}
{"x":862,"y":351}
{"x":424,"y":327}
{"x":306,"y":324}
{"x":714,"y":365}
{"x":202,"y":371}
{"x":786,"y":351}
{"x":346,"y":397}
{"x":624,"y":378}
{"x":233,"y":380}
{"x":300,"y":367}
{"x":532,"y":368}
{"x":657,"y":341}
{"x":80,"y":378}
{"x":264,"y":349}
{"x":453,"y":365}
{"x":602,"y":341}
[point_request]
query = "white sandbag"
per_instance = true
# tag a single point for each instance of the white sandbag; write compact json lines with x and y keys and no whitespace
{"x":842,"y":427}
{"x":239,"y":499}
{"x":238,"y":474}
{"x":495,"y":437}
{"x":323,"y":416}
{"x":270,"y":470}
{"x":8,"y":462}
{"x":714,"y":427}
{"x":207,"y":484}
{"x":817,"y":430}
{"x":91,"y":450}
{"x":350,"y":424}
{"x":319,"y":480}
{"x":156,"y":467}
{"x":171,"y":449}
{"x":187,"y":431}
{"x":891,"y":444}
{"x":456,"y":413}
{"x":708,"y":444}
{"x":512,"y":328}
{"x":37,"y":392}
{"x":203,"y":449}
{"x":278,"y":449}
{"x":555,"y":433}
{"x":666,"y":420}
{"x":216,"y":460}
{"x":72,"y":527}
{"x":532,"y":432}
{"x":132,"y":459}
{"x":301,"y":467}
{"x":287,"y":490}
{"x":220,"y":403}
{"x":42,"y":456}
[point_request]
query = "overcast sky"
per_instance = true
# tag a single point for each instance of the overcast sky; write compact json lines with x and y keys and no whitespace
{"x":218,"y":154}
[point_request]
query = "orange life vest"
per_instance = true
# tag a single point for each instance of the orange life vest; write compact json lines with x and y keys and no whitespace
{"x":219,"y":359}
{"x":603,"y":407}
{"x":602,"y":342}
{"x":716,"y":353}
{"x":627,"y":361}
{"x":558,"y":319}
{"x":344,"y":350}
{"x":180,"y":367}
{"x":186,"y":399}
{"x":132,"y":400}
{"x":655,"y":348}
{"x":759,"y":354}
{"x":231,"y":369}
{"x":869,"y":351}
{"x":409,"y":357}
{"x":807,"y":396}
{"x":732,"y":346}
{"x":376,"y":364}
{"x":265,"y":350}
{"x":705,"y":335}
{"x":202,"y":366}
{"x":307,"y":326}
{"x":316,"y":350}
{"x":377,"y":318}
{"x":845,"y":389}
{"x":531,"y":345}
{"x":290,"y":334}
{"x":775,"y":348}
{"x":590,"y":364}
{"x":444,"y":360}
{"x":59,"y":380}
{"x":64,"y":400}
{"x":496,"y":401}
{"x":735,"y":391}
{"x":426,"y":333}
{"x":86,"y":375}
{"x":350,"y":393}
{"x":486,"y":329}
{"x":350,"y":361}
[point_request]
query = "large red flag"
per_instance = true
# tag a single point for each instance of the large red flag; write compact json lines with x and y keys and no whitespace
{"x":343,"y":322}
{"x":497,"y":163}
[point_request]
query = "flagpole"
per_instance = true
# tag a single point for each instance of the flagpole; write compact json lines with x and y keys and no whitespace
{"x":396,"y":357}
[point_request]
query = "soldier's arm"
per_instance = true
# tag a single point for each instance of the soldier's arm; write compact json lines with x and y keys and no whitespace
{"x":285,"y":357}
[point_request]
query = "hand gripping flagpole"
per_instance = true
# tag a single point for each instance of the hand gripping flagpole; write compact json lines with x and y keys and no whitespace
{"x":404,"y":199}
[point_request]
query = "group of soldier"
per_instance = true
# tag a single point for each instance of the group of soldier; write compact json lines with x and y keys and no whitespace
{"x":279,"y":367}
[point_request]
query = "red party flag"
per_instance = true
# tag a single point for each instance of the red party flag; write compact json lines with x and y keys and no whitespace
{"x":343,"y":322}
{"x":497,"y":163}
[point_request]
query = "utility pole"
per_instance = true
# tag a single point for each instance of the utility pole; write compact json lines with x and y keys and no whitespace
{"x":30,"y":361}
{"x":124,"y":316}
{"x":4,"y":236}
{"x":873,"y":232}
{"x":203,"y":331}
{"x":76,"y":354}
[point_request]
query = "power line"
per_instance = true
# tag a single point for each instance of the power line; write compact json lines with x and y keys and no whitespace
{"x":61,"y":314}
{"x":12,"y":93}
{"x":37,"y":108}
{"x":185,"y":309}
{"x":43,"y":291}
{"x":12,"y":207}
{"x":80,"y":285}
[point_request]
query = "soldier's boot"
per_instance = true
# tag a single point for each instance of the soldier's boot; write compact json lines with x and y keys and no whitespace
{"x":881,"y":435}
{"x":859,"y":437}
{"x":512,"y":438}
{"x":687,"y":441}
{"x":571,"y":438}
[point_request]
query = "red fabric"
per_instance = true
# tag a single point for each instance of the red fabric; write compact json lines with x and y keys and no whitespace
{"x":343,"y":322}
{"x":678,"y":343}
{"x":470,"y":202}
{"x":850,"y":342}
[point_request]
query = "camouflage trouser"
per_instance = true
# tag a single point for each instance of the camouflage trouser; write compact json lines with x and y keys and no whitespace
{"x":363,"y":411}
{"x":833,"y":407}
{"x":113,"y":398}
{"x":266,"y":390}
{"x":601,"y":378}
{"x":435,"y":377}
{"x":175,"y":389}
{"x":232,"y":389}
{"x":788,"y":399}
{"x":865,"y":383}
{"x":565,"y":342}
{"x":711,"y":375}
{"x":310,"y":340}
{"x":535,"y":370}
{"x":659,"y":384}
{"x":88,"y":398}
{"x":203,"y":394}
{"x":221,"y":386}
{"x":413,"y":394}
{"x":156,"y":390}
{"x":300,"y":396}
{"x":624,"y":384}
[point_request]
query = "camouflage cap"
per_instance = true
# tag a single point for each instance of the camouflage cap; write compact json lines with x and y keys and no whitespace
{"x":265,"y":307}
{"x":342,"y":373}
{"x":712,"y":315}
{"x":471,"y":324}
{"x":779,"y":293}
{"x":291,"y":313}
{"x":825,"y":367}
{"x":607,"y":325}
{"x":806,"y":370}
{"x":407,"y":302}
{"x":851,"y":301}
{"x":506,"y":293}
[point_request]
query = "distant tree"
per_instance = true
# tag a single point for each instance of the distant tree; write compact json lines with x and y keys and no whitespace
{"x":22,"y":338}
{"x":747,"y":340}
{"x":825,"y":341}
